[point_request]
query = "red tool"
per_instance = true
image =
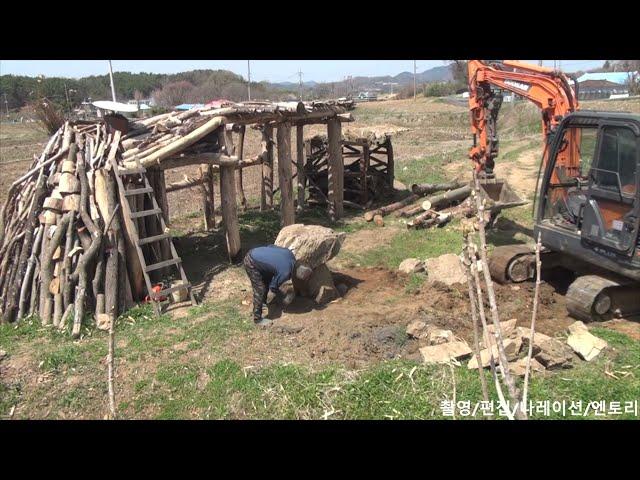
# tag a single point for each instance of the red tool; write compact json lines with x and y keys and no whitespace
{"x":156,"y":289}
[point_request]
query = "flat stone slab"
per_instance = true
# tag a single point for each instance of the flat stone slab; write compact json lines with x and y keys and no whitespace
{"x":584,"y":343}
{"x":445,"y":352}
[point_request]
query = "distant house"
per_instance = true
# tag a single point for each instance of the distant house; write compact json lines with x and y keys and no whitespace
{"x":593,"y":89}
{"x":620,"y":78}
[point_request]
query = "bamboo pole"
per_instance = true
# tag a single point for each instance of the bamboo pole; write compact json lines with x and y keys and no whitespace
{"x":534,"y":314}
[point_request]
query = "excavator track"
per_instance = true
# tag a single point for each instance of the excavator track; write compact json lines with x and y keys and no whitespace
{"x":596,"y":298}
{"x":512,"y":263}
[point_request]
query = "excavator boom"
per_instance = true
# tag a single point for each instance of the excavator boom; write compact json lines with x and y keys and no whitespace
{"x":548,"y":89}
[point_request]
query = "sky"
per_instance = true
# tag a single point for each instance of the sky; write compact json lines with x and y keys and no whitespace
{"x":261,"y":70}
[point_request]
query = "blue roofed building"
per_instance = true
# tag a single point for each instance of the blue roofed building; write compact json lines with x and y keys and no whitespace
{"x":188,"y":106}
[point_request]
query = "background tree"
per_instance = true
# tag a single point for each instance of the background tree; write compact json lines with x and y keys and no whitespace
{"x":173,"y":94}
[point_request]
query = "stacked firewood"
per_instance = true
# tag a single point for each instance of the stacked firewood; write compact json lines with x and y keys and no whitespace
{"x":443,"y":203}
{"x":61,"y":243}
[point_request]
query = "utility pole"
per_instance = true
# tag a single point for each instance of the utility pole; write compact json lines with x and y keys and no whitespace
{"x":414,"y":80}
{"x":559,"y":64}
{"x":6,"y":104}
{"x":555,"y":64}
{"x":66,"y":94}
{"x":113,"y":88}
{"x":249,"y":77}
{"x":300,"y":84}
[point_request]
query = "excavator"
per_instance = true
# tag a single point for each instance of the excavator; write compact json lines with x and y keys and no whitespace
{"x":587,"y":203}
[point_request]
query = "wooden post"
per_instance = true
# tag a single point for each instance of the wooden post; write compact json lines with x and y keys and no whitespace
{"x":335,"y":169}
{"x":157,"y":180}
{"x":364,"y":166}
{"x":287,"y":212}
{"x":390,"y":163}
{"x":229,"y":210}
{"x":240,"y":154}
{"x":300,"y":160}
{"x":266,"y":198}
{"x":208,"y":198}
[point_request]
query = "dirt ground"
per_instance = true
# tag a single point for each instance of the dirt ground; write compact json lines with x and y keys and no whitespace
{"x":368,"y":324}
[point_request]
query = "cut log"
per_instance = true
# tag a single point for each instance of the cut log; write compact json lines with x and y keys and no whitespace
{"x":14,"y":290}
{"x":180,"y":144}
{"x":69,"y":167}
{"x":81,"y":273}
{"x":447,"y":198}
{"x":54,"y":204}
{"x":71,"y":203}
{"x":382,"y":211}
{"x":68,"y":183}
{"x":46,"y":298}
{"x":430,"y":219}
{"x":429,"y":188}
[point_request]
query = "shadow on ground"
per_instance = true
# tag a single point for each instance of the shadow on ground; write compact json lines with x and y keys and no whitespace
{"x":204,"y":253}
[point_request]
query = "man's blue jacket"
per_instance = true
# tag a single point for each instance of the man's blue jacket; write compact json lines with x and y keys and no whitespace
{"x":276,"y":264}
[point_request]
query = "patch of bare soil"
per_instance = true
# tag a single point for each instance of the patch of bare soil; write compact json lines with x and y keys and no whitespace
{"x":368,"y":324}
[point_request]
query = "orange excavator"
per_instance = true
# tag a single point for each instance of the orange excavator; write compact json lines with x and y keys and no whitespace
{"x":587,"y":206}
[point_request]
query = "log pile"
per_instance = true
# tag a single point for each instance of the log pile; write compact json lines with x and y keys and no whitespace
{"x":445,"y":201}
{"x":60,"y":233}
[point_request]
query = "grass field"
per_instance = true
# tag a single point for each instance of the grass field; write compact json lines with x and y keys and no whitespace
{"x":210,"y":362}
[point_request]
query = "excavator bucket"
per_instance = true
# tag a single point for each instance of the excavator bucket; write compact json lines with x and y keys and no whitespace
{"x":500,"y":193}
{"x":498,"y":196}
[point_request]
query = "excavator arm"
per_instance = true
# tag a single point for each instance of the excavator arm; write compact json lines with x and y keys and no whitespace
{"x":548,"y":89}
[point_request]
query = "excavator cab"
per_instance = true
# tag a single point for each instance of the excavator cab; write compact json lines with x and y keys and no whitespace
{"x":588,"y":215}
{"x":598,"y":199}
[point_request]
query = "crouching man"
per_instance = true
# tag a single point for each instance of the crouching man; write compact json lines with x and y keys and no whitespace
{"x":268,"y":268}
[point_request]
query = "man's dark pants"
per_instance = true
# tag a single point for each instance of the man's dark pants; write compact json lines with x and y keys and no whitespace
{"x":259,"y":287}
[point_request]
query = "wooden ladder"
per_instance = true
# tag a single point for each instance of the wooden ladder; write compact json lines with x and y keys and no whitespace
{"x":156,"y":211}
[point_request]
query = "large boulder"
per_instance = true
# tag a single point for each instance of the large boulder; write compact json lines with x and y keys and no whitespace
{"x":446,"y":269}
{"x":318,"y":286}
{"x":312,"y":245}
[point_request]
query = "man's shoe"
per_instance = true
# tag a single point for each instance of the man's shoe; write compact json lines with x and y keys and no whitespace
{"x":263,"y":322}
